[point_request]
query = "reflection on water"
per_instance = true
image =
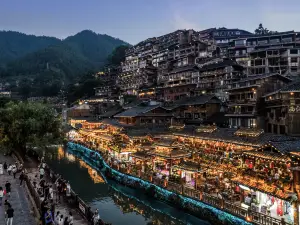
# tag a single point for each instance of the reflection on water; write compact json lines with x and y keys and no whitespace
{"x":93,"y":173}
{"x":117,"y":204}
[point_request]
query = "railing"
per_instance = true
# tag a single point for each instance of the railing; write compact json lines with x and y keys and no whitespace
{"x":254,"y":217}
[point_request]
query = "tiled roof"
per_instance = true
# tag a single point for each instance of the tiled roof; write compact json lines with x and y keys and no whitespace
{"x":268,"y":155}
{"x":286,"y":146}
{"x":141,"y":155}
{"x":197,"y":100}
{"x":227,"y":135}
{"x":184,"y":68}
{"x":291,"y":87}
{"x":137,"y":111}
{"x":111,"y":112}
{"x":219,"y":64}
{"x":189,"y":166}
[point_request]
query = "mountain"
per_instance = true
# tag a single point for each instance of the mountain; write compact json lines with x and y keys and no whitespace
{"x":41,"y":61}
{"x":14,"y":45}
{"x":95,"y":47}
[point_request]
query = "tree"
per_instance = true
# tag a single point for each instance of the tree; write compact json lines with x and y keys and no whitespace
{"x":261,"y":30}
{"x":26,"y":125}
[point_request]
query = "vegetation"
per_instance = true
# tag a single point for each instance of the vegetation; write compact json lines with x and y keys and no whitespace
{"x":118,"y":55}
{"x":86,"y":84}
{"x":26,"y":125}
{"x":262,"y":30}
{"x":36,"y":66}
{"x":15,"y":45}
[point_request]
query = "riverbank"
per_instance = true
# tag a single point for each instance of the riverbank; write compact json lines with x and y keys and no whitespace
{"x":182,"y":201}
{"x":82,"y":214}
{"x":19,"y":199}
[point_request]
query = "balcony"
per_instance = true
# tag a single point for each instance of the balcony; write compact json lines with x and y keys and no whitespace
{"x":248,"y":101}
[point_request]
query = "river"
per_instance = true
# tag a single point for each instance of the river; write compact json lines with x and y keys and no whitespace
{"x":117,"y":204}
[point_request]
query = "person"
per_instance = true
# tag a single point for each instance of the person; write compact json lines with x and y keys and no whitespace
{"x":71,"y":220}
{"x":10,"y":215}
{"x":22,"y":177}
{"x":48,"y":218}
{"x":61,"y":220}
{"x":1,"y":168}
{"x":5,"y":166}
{"x":96,"y":217}
{"x":1,"y":195}
{"x":42,"y":172}
{"x":46,"y":191}
{"x":68,"y":191}
{"x":60,"y":190}
{"x":57,"y":217}
{"x":50,"y":192}
{"x":14,"y":170}
{"x":20,"y":168}
{"x":66,"y":222}
{"x":9,"y":169}
{"x":8,"y":188}
{"x":52,"y":208}
{"x":6,"y":206}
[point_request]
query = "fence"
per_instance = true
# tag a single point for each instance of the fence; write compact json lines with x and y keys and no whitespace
{"x":248,"y":215}
{"x":75,"y":201}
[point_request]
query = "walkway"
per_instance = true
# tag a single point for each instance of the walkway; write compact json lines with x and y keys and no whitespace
{"x":18,"y":199}
{"x":62,"y":206}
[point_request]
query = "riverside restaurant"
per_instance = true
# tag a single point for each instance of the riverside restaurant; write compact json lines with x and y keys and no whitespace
{"x":246,"y":172}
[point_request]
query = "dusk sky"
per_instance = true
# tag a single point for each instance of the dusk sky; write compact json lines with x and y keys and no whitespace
{"x":136,"y":20}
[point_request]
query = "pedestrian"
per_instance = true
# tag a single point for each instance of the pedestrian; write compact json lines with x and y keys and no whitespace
{"x":9,"y":169}
{"x":1,"y":168}
{"x":8,"y":188}
{"x":42,"y":172}
{"x":52,"y":207}
{"x":1,"y":195}
{"x":43,"y":210}
{"x":60,"y":190}
{"x":51,"y":195}
{"x":5,"y":166}
{"x":71,"y":220}
{"x":96,"y":217}
{"x":48,"y":218}
{"x":20,"y":168}
{"x":6,"y":206}
{"x":61,"y":220}
{"x":68,"y":191}
{"x":10,"y":215}
{"x":14,"y":170}
{"x":66,"y":222}
{"x":46,"y":191}
{"x":22,"y":177}
{"x":57,"y":216}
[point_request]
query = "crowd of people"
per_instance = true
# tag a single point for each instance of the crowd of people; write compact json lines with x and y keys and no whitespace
{"x":50,"y":216}
{"x":10,"y":169}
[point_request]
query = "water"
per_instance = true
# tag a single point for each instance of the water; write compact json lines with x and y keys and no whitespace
{"x":117,"y":204}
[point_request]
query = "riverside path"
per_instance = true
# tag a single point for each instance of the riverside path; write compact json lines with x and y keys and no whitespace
{"x":18,"y":199}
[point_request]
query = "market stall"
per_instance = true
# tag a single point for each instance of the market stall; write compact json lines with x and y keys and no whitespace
{"x":186,"y":171}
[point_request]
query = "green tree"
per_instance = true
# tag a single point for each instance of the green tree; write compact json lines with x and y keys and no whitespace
{"x":25,"y":125}
{"x":261,"y":30}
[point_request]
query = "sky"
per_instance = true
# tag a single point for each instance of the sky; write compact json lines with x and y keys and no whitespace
{"x":137,"y":20}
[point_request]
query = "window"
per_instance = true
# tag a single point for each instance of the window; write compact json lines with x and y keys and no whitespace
{"x":293,"y":51}
{"x":240,"y":42}
{"x":237,"y":32}
{"x":294,"y":60}
{"x":293,"y":69}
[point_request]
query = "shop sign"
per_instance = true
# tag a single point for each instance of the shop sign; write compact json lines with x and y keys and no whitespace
{"x":293,"y":109}
{"x":82,"y":208}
